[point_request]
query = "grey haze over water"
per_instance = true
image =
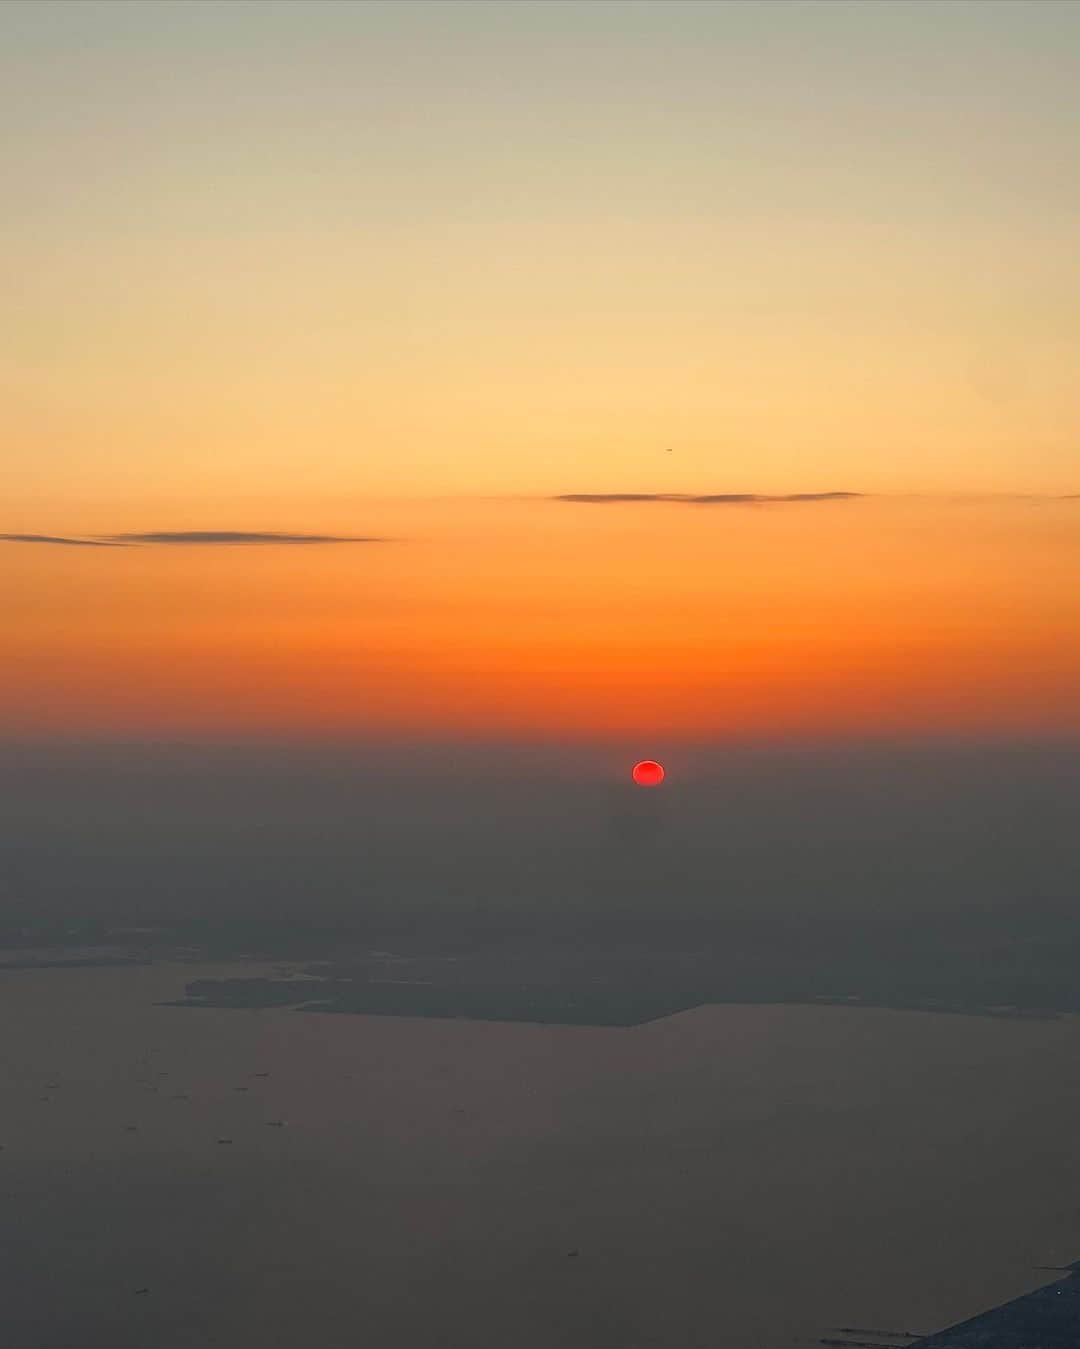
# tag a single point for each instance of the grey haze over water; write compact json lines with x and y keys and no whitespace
{"x":907,"y":875}
{"x":642,"y":1170}
{"x":153,"y":831}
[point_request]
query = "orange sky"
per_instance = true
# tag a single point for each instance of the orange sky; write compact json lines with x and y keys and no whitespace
{"x":665,"y":620}
{"x":406,"y":269}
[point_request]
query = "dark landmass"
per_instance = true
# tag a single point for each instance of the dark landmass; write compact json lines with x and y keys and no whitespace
{"x":372,"y":997}
{"x":248,"y":993}
{"x":614,"y":973}
{"x":548,"y":1006}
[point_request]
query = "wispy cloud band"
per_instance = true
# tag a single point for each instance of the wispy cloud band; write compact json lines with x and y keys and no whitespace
{"x":55,"y":538}
{"x":234,"y":536}
{"x":190,"y":537}
{"x":702,"y":499}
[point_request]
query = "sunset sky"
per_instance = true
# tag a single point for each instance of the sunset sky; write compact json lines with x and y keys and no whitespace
{"x":403,"y":276}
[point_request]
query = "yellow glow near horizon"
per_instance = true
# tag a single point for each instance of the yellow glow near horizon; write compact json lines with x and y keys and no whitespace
{"x":380,"y":249}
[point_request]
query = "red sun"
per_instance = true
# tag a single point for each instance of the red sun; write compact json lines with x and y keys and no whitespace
{"x":648,"y":773}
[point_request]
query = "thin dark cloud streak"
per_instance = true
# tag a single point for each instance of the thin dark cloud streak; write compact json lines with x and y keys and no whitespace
{"x":702,"y":499}
{"x":60,"y":540}
{"x":190,"y":538}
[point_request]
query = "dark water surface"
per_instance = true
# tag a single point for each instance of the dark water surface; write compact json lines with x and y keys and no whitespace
{"x":738,"y":1175}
